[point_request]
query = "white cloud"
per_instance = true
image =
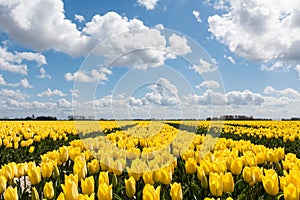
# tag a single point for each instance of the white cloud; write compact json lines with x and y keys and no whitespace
{"x":95,"y":76}
{"x":79,"y":18}
{"x":51,"y":30}
{"x":45,"y":30}
{"x":51,"y":93}
{"x":12,"y":94}
{"x":148,"y":4}
{"x":25,"y":83}
{"x":13,"y":61}
{"x":230,"y":59}
{"x":288,"y":92}
{"x":178,"y":45}
{"x":297,"y":68}
{"x":43,"y":74}
{"x":259,"y":30}
{"x":211,"y":84}
{"x":163,"y":93}
{"x":245,"y":97}
{"x":278,"y":66}
{"x":197,"y":15}
{"x":204,"y":67}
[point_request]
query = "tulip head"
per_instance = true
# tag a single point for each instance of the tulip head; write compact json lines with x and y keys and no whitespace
{"x":130,"y":187}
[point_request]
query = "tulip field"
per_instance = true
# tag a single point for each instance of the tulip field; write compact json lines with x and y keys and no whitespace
{"x":149,"y":160}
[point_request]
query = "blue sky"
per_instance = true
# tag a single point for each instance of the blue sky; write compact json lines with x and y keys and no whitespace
{"x":181,"y":59}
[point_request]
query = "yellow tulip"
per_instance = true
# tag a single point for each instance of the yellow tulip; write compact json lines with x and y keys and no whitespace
{"x":247,"y":175}
{"x":73,"y":178}
{"x":61,"y":196}
{"x":215,"y":184}
{"x":149,"y":193}
{"x":86,"y":197}
{"x":94,"y":166}
{"x":34,"y":194}
{"x":63,"y":154}
{"x":70,"y":190}
{"x":176,"y":191}
{"x":291,"y":192}
{"x":130,"y":187}
{"x":280,"y":153}
{"x":47,"y":168}
{"x":8,"y":172}
{"x":34,"y":175}
{"x":270,"y":183}
{"x":3,"y":182}
{"x":236,"y":166}
{"x":79,"y":168}
{"x":87,"y":185}
{"x":31,"y":149}
{"x":228,"y":183}
{"x":11,"y":194}
{"x":190,"y":166}
{"x":148,"y":178}
{"x":48,"y":190}
{"x":103,"y":178}
{"x":22,"y":169}
{"x":202,"y":177}
{"x":165,"y":176}
{"x":104,"y":191}
{"x":55,"y":171}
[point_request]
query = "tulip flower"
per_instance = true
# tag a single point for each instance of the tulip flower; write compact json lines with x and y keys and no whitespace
{"x":34,"y":175}
{"x":8,"y":172}
{"x":48,"y":190}
{"x":165,"y":176}
{"x":236,"y":166}
{"x":215,"y":184}
{"x":63,"y":154}
{"x":149,"y":193}
{"x":130,"y":187}
{"x":104,"y":191}
{"x":103,"y":178}
{"x":80,"y":169}
{"x":86,"y":197}
{"x":176,"y":191}
{"x":22,"y":168}
{"x":61,"y":196}
{"x":291,"y":192}
{"x":73,"y":178}
{"x":11,"y":194}
{"x":202,"y":177}
{"x":270,"y":183}
{"x":34,"y":194}
{"x":94,"y":166}
{"x":87,"y":185}
{"x":31,"y":149}
{"x":70,"y":190}
{"x":47,"y":168}
{"x":190,"y":166}
{"x":228,"y":183}
{"x":148,"y":178}
{"x":3,"y":182}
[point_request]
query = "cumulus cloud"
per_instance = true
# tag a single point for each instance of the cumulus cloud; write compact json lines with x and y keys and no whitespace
{"x":14,"y":61}
{"x":25,"y":83}
{"x":12,"y":95}
{"x":197,"y":15}
{"x":95,"y":76}
{"x":163,"y":93}
{"x":50,"y":30}
{"x":148,"y":4}
{"x":288,"y":92}
{"x":79,"y":18}
{"x":204,"y":67}
{"x":259,"y":30}
{"x":51,"y":93}
{"x":211,"y":84}
{"x":43,"y":74}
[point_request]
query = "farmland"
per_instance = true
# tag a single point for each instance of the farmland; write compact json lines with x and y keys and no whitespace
{"x":149,"y":160}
